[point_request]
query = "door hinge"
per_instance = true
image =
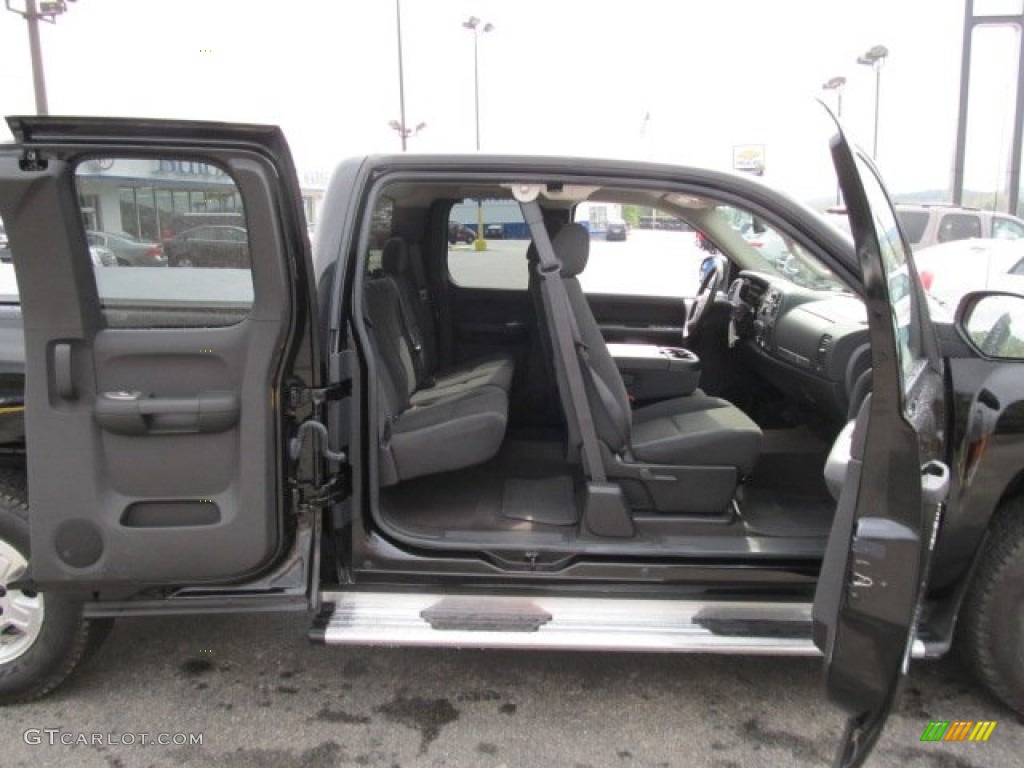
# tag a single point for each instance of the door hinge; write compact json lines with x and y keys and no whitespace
{"x":295,"y":444}
{"x":320,"y":495}
{"x":300,"y":395}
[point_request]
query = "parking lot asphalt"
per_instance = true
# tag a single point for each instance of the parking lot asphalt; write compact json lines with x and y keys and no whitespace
{"x":260,"y":695}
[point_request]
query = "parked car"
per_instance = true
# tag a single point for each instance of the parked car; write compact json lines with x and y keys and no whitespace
{"x":929,"y":224}
{"x":494,"y":231}
{"x":616,"y":229}
{"x":209,"y":246}
{"x":951,"y":270}
{"x":364,"y":440}
{"x":102,"y":257}
{"x":459,"y":233}
{"x":127,"y":249}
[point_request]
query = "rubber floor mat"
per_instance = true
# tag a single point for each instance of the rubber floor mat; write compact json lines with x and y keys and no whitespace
{"x":539,"y":500}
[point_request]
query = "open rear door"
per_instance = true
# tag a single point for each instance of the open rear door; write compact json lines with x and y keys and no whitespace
{"x":157,"y":398}
{"x":871,"y":584}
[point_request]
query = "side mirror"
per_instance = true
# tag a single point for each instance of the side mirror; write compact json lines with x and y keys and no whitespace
{"x":993,"y":323}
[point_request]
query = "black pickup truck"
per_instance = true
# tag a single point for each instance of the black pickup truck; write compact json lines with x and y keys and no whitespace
{"x":551,"y":443}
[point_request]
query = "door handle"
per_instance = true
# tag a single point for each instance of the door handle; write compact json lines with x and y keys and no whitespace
{"x":63,"y":380}
{"x":135,"y":413}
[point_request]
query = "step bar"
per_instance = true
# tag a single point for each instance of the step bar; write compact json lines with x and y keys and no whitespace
{"x":539,"y":622}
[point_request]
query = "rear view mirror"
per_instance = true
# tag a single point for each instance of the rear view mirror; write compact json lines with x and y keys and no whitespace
{"x":993,"y":323}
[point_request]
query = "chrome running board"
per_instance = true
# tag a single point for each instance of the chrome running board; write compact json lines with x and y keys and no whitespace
{"x":566,"y":623}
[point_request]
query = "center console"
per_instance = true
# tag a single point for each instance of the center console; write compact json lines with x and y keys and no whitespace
{"x":656,"y":373}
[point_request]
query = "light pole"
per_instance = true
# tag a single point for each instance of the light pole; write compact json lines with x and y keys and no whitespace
{"x":836,"y":84}
{"x":401,"y":77}
{"x":875,"y":57}
{"x":474,"y":25}
{"x":404,"y":132}
{"x":33,"y":13}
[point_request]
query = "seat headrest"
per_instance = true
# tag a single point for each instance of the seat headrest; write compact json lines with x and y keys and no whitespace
{"x":572,"y":246}
{"x":395,"y":256}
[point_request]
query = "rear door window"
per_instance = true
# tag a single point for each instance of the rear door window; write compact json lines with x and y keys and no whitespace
{"x":959,"y":226}
{"x":167,"y":240}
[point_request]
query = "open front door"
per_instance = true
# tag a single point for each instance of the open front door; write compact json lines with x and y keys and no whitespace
{"x":157,"y":397}
{"x":876,"y":561}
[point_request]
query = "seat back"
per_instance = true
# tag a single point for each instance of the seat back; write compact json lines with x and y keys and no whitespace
{"x":392,"y":349}
{"x":606,"y":392}
{"x":402,"y":263}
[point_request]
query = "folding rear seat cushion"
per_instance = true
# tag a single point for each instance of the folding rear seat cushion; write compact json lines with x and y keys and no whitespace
{"x":417,"y":323}
{"x":460,"y":427}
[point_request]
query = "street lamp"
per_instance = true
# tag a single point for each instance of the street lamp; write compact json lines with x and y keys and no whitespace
{"x":477,"y":27}
{"x":46,"y":11}
{"x":875,"y":57}
{"x":836,"y":84}
{"x":404,"y":132}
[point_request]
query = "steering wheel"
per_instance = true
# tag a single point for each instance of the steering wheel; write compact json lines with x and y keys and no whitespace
{"x":710,"y":285}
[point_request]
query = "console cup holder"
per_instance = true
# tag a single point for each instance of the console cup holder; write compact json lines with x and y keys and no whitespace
{"x":653,"y":372}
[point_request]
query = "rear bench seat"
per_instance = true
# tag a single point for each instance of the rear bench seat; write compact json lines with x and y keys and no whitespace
{"x":431,"y":420}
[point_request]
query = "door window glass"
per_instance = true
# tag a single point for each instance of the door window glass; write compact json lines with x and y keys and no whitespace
{"x":638,"y":251}
{"x":167,"y":240}
{"x":896,"y":267}
{"x":1007,"y":229}
{"x":499,"y":263}
{"x":959,"y":226}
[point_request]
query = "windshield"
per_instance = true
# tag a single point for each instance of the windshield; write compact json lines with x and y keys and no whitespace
{"x":756,"y":245}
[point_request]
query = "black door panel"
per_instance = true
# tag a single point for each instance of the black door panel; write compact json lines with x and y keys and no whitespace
{"x":155,"y":397}
{"x":640,"y":319}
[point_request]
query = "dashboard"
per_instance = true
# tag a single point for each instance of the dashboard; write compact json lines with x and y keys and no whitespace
{"x":811,"y":345}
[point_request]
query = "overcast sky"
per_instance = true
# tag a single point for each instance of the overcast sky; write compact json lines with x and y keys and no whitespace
{"x":557,"y":77}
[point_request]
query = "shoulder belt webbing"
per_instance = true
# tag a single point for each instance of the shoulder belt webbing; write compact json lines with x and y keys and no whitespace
{"x":566,"y":338}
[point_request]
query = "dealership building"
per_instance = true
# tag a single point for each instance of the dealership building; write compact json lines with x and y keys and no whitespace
{"x":144,"y":197}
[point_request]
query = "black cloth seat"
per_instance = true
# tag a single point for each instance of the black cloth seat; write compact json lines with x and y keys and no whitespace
{"x":402,"y":264}
{"x":692,"y":431}
{"x":458,"y":422}
{"x":695,"y":430}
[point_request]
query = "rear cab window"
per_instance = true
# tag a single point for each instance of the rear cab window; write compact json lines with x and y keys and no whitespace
{"x":501,"y":263}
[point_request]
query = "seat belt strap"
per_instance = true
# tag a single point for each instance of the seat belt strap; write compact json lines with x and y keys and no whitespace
{"x":563,"y":328}
{"x":611,"y":405}
{"x":411,"y":331}
{"x":419,"y":279}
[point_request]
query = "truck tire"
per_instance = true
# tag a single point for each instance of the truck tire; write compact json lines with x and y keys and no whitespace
{"x":991,"y":630}
{"x":43,"y":638}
